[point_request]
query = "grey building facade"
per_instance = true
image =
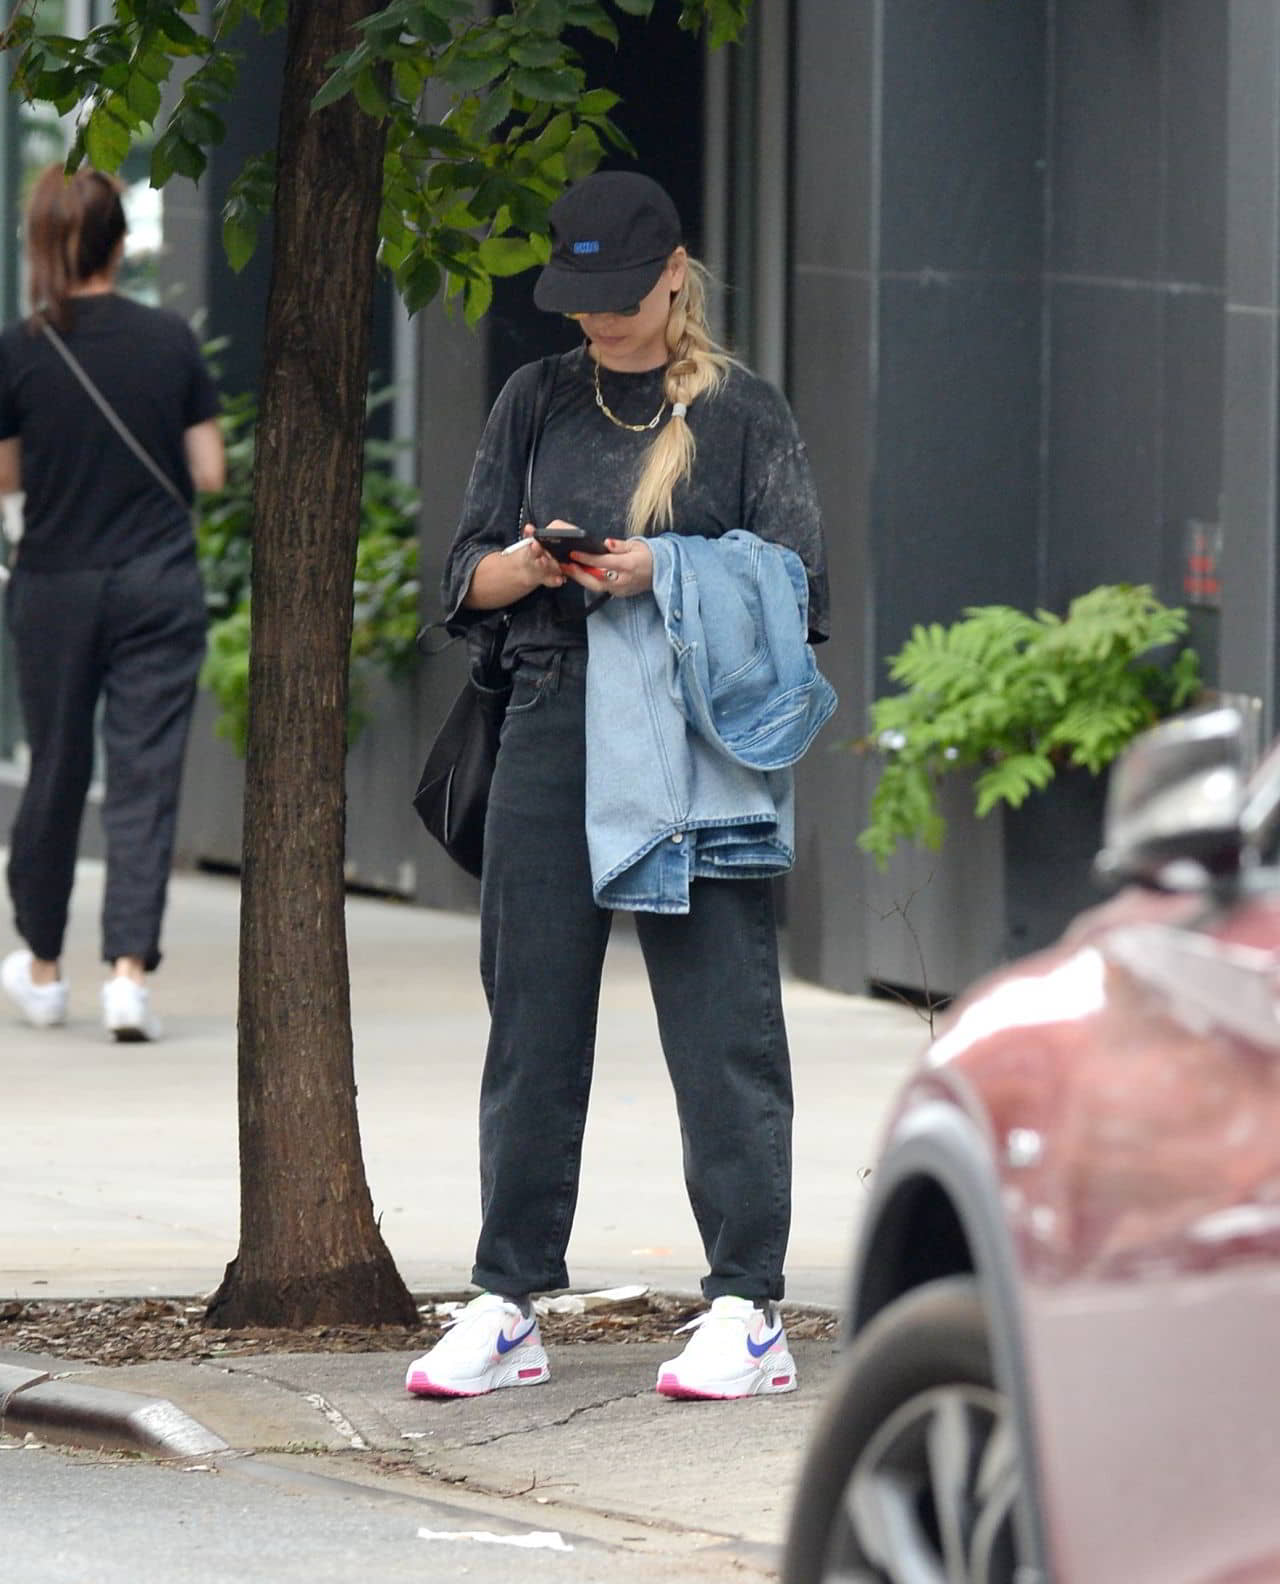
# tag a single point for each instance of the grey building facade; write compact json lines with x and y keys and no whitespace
{"x":1017,"y":265}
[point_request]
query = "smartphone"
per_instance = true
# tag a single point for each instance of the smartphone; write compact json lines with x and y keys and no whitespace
{"x":560,"y":541}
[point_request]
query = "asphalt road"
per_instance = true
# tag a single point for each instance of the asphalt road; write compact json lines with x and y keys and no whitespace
{"x":80,"y":1518}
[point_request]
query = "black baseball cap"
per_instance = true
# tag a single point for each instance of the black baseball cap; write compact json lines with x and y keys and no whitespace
{"x":611,"y":235}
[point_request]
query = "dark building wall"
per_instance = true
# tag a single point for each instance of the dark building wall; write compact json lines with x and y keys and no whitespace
{"x":1251,"y":518}
{"x":1007,"y":358}
{"x":831,"y":384}
{"x":915,"y":372}
{"x":1134,"y":297}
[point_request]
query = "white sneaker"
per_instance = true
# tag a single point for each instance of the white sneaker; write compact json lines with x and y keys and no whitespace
{"x":43,"y":1006}
{"x":490,"y":1343}
{"x":736,"y":1350}
{"x":126,"y":1010}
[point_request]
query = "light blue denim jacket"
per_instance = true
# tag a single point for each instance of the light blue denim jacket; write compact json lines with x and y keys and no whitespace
{"x":699,"y":701}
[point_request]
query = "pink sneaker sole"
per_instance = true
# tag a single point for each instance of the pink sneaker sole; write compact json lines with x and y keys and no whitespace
{"x":419,"y":1384}
{"x":669,"y":1386}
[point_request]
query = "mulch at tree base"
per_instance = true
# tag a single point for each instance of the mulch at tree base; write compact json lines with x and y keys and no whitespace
{"x":137,"y":1331}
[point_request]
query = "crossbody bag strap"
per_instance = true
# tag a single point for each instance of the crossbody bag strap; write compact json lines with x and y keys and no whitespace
{"x":114,"y":418}
{"x":547,"y":371}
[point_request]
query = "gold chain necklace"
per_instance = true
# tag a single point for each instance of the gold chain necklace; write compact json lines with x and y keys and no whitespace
{"x":613,"y":417}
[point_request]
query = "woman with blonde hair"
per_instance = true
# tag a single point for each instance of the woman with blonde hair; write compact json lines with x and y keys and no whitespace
{"x":650,"y":430}
{"x":108,"y":423}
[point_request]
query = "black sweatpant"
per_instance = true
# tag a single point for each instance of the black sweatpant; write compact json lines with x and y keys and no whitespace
{"x":134,"y":636}
{"x":715,"y":982}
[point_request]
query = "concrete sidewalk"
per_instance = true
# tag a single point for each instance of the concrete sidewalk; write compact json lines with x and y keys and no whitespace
{"x":118,"y":1176}
{"x":118,"y":1168}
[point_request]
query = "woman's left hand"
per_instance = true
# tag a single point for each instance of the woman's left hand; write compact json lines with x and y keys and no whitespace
{"x":626,"y":570}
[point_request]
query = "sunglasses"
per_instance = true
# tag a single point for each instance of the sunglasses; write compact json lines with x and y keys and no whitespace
{"x":621,"y":313}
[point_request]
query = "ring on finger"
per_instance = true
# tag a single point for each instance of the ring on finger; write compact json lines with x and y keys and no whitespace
{"x":611,"y":576}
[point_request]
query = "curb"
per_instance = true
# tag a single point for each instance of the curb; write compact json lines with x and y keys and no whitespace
{"x":34,"y":1402}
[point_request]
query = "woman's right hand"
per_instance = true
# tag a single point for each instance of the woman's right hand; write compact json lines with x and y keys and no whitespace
{"x":505,"y":576}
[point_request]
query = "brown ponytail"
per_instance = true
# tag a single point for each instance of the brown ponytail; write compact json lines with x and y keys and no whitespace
{"x":74,"y":225}
{"x":696,"y":366}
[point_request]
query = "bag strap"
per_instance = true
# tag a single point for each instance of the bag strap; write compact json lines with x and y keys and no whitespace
{"x":547,"y":372}
{"x":114,"y":418}
{"x":548,"y":369}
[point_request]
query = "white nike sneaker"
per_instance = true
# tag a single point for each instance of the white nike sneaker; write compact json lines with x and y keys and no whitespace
{"x":126,"y":1010}
{"x":736,"y":1350}
{"x":43,"y":1006}
{"x":490,"y":1343}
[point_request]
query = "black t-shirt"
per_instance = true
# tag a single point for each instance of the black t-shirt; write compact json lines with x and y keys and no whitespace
{"x":750,"y":471}
{"x":90,"y":502}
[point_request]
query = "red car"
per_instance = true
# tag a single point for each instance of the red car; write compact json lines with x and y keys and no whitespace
{"x":1064,"y":1317}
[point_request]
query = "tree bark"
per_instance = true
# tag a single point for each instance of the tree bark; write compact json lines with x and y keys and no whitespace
{"x":310,"y":1249}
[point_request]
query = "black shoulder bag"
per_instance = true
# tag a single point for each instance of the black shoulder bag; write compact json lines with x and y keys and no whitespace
{"x":453,"y":789}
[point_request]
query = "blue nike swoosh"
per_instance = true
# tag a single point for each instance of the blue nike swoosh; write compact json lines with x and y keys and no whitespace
{"x":506,"y":1343}
{"x":759,"y":1349}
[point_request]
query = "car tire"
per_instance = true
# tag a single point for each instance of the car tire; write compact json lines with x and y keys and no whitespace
{"x":912,"y":1471}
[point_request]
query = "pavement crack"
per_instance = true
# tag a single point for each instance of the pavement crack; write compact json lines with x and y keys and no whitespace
{"x":555,"y":1424}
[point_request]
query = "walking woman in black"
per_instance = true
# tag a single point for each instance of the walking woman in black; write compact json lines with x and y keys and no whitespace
{"x":105,"y":600}
{"x":650,"y":430}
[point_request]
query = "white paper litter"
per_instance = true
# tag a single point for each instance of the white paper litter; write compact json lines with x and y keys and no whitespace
{"x":579,"y":1303}
{"x":535,"y":1540}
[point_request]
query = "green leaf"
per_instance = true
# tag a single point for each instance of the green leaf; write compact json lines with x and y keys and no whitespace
{"x":181,"y":35}
{"x":370,"y":94}
{"x":504,"y":256}
{"x":469,"y":72}
{"x":239,"y":233}
{"x":1012,"y":781}
{"x":106,"y":140}
{"x":409,"y":79}
{"x":337,"y":87}
{"x":558,"y":87}
{"x":419,"y":283}
{"x":144,"y":96}
{"x":492,"y":111}
{"x":546,"y":16}
{"x":432,"y":28}
{"x":551,"y":139}
{"x":199,"y":125}
{"x":582,"y":153}
{"x":597,"y":101}
{"x":173,"y":153}
{"x":602,"y":26}
{"x":538,"y":52}
{"x":478,"y":299}
{"x":637,"y":8}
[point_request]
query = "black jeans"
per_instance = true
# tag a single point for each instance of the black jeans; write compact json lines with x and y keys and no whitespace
{"x":134,"y":635}
{"x":714,"y":977}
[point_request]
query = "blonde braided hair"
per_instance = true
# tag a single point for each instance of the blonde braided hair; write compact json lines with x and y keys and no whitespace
{"x":696,"y":366}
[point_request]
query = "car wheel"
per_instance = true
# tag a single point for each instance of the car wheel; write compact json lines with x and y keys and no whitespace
{"x":912,"y":1473}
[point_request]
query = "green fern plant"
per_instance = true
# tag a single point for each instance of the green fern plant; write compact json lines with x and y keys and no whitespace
{"x":1016,"y":697}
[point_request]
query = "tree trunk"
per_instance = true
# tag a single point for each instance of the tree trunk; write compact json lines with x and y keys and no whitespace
{"x":310,"y":1249}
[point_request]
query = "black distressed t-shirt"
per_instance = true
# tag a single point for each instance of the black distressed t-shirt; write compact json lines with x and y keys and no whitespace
{"x":90,"y":502}
{"x":750,"y":471}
